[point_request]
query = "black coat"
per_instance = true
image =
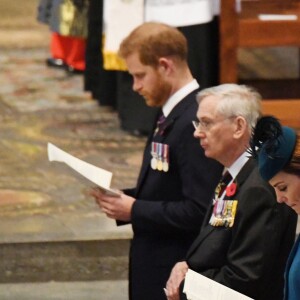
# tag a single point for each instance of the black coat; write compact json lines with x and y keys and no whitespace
{"x":250,"y":257}
{"x":170,"y":206}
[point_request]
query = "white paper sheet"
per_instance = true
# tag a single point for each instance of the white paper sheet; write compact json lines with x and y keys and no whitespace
{"x":199,"y":287}
{"x":99,"y":176}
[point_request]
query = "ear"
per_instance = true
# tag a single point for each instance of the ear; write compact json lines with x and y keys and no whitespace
{"x":240,"y":127}
{"x":165,"y":65}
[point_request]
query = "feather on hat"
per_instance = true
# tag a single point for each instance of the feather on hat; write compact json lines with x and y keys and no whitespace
{"x":272,"y":145}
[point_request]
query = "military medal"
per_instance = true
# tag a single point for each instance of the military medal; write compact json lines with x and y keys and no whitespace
{"x":154,"y":156}
{"x":160,"y":158}
{"x":231,"y":212}
{"x":165,"y":166}
{"x":159,"y":165}
{"x":165,"y":158}
{"x":224,"y":212}
{"x":154,"y":163}
{"x":159,"y":162}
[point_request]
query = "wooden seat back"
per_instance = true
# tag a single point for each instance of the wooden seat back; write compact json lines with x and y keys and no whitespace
{"x":246,"y":29}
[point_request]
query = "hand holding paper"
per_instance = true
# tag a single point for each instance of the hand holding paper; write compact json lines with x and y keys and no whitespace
{"x":176,"y":277}
{"x":199,"y":287}
{"x":113,"y":203}
{"x":118,"y":208}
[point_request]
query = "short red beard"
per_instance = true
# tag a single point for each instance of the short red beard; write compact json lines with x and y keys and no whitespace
{"x":160,"y":95}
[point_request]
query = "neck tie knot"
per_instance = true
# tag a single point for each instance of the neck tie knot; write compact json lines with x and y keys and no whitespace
{"x":226,"y":178}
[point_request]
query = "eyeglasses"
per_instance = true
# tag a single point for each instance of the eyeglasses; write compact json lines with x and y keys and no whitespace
{"x":206,"y":125}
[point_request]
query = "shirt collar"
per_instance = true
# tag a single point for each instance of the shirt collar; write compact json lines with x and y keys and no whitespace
{"x":236,"y":167}
{"x":178,"y":96}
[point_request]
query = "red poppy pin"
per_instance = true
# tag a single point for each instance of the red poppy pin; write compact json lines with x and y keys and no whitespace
{"x":231,"y":189}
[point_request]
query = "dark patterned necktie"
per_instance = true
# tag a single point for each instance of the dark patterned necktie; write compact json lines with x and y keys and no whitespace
{"x":159,"y":125}
{"x":226,"y":178}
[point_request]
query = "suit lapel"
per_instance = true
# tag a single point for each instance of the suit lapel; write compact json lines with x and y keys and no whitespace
{"x":169,"y":123}
{"x":147,"y":155}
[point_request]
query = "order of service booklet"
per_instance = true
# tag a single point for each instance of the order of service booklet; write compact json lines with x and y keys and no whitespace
{"x":102,"y":178}
{"x":199,"y":287}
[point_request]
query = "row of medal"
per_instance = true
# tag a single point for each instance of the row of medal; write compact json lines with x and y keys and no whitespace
{"x":160,"y":157}
{"x":224,"y":212}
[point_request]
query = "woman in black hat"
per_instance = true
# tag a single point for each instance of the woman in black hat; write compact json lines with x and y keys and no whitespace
{"x":277,"y":150}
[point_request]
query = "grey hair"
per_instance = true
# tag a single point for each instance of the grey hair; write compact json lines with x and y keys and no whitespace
{"x":235,"y":100}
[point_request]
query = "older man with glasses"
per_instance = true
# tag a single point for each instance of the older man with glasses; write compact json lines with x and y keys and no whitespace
{"x":246,"y":236}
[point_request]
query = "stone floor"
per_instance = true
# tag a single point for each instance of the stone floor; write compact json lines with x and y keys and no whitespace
{"x":40,"y":200}
{"x":88,"y":290}
{"x":48,"y":202}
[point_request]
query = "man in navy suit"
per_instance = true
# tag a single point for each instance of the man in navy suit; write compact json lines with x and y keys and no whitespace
{"x":246,"y":235}
{"x":176,"y":180}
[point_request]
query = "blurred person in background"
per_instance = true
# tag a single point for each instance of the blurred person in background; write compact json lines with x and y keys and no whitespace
{"x":67,"y":21}
{"x":100,"y":82}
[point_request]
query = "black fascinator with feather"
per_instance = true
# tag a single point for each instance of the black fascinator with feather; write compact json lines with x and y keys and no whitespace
{"x":266,"y":133}
{"x":271,"y":145}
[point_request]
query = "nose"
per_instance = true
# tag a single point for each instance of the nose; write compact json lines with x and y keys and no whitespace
{"x":136,"y":86}
{"x":198,"y":134}
{"x":281,"y":198}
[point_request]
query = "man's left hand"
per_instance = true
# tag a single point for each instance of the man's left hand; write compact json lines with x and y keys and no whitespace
{"x":115,"y":207}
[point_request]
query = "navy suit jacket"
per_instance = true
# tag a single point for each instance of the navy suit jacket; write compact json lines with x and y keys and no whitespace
{"x":249,"y":257}
{"x":170,"y":206}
